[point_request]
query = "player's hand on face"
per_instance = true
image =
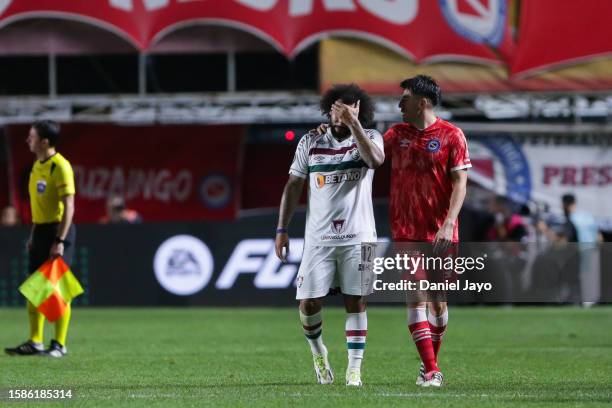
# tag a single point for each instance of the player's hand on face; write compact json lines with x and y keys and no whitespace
{"x":444,"y":238}
{"x":346,"y":113}
{"x":281,"y":246}
{"x":56,"y":250}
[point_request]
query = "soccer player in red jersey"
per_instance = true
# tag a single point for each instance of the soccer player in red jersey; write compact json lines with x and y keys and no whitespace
{"x":429,"y":162}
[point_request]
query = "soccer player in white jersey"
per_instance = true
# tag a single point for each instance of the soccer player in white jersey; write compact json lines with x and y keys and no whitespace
{"x":339,"y":167}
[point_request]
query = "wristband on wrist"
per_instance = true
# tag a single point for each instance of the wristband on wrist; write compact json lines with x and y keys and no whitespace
{"x":281,"y":230}
{"x":58,"y":240}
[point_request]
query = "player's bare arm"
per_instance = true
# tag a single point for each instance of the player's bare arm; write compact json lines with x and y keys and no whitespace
{"x":58,"y":247}
{"x":349,"y":116}
{"x":444,"y":235}
{"x":289,"y":201}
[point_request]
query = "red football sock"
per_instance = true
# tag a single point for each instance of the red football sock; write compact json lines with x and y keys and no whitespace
{"x":422,"y":340}
{"x":436,"y":338}
{"x":437,"y":326}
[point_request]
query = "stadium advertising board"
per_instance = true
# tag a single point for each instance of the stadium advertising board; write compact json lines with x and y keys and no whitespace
{"x":424,"y":30}
{"x":543,"y":32}
{"x":166,"y":173}
{"x":540,"y":172}
{"x":234,"y":264}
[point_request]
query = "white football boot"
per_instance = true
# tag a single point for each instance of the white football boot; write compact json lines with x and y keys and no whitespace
{"x":436,"y":379}
{"x":353,"y":377}
{"x":322,"y":368}
{"x":421,"y":377}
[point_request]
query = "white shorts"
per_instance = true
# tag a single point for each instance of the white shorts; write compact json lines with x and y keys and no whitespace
{"x":327,"y":267}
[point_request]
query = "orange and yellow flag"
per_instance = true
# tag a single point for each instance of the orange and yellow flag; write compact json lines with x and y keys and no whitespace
{"x":51,"y":288}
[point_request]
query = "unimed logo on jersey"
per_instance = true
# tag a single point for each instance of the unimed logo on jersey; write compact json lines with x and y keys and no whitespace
{"x":323,"y":179}
{"x":338,"y":227}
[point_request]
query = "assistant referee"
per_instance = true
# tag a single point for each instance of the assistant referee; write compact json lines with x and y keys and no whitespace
{"x":51,"y":188}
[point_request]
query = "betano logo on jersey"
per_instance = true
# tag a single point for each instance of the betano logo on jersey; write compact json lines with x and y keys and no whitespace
{"x":323,"y":179}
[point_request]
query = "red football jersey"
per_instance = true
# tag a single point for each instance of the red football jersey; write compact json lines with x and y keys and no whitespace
{"x":421,"y":185}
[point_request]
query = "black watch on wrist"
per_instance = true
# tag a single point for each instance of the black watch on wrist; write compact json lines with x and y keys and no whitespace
{"x":58,"y":240}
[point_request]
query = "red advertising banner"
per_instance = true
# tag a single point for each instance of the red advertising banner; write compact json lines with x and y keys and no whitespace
{"x":425,"y":30}
{"x":553,"y":31}
{"x":163,"y":172}
{"x":106,"y":14}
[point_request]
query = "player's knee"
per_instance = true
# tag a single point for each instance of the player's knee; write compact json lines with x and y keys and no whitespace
{"x":310,"y":306}
{"x":437,"y":308}
{"x":354,"y":304}
{"x":417,"y":305}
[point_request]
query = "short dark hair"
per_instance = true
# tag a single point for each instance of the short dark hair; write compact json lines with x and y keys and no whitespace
{"x":349,"y":94}
{"x":568,"y":199}
{"x":424,"y":86}
{"x":47,"y":129}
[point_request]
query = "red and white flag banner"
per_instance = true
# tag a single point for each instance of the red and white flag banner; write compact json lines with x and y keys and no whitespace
{"x":475,"y":30}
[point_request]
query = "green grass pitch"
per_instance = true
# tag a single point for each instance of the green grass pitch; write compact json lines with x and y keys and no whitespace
{"x":491,"y":357}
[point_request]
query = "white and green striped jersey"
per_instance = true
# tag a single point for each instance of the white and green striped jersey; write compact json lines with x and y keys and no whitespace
{"x":339,"y":189}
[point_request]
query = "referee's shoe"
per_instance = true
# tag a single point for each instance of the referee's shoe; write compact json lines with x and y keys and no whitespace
{"x":56,"y":350}
{"x":29,"y":348}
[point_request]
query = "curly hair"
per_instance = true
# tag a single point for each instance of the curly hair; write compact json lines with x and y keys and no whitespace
{"x":349,"y":94}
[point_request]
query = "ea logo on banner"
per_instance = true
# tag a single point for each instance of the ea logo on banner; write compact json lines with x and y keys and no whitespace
{"x":183,"y":265}
{"x":215,"y":191}
{"x":480,"y":21}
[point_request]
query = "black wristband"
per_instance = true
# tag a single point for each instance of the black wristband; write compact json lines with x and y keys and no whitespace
{"x":58,"y":240}
{"x":281,"y":230}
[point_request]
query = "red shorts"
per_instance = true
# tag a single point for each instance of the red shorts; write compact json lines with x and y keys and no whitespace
{"x":424,"y":264}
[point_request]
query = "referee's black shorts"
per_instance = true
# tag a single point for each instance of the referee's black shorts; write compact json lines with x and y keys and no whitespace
{"x":43,"y":238}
